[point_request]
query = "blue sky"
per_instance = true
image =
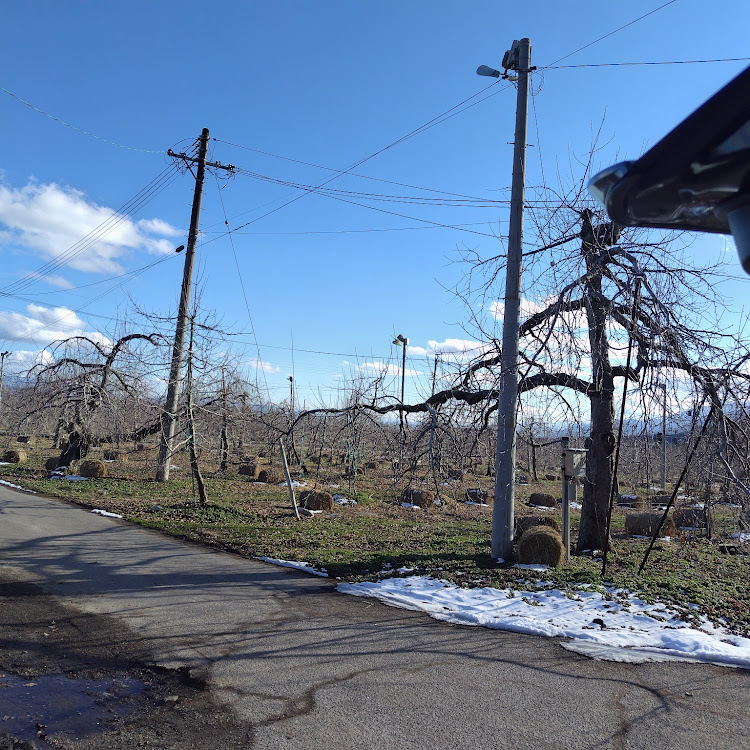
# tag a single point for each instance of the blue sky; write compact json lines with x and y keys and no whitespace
{"x":327,"y":83}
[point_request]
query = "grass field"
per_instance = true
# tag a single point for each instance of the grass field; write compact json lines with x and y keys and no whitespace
{"x":377,"y":536}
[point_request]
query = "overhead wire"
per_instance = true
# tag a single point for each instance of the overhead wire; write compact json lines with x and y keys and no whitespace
{"x":144,"y":196}
{"x":650,"y":62}
{"x":80,"y":130}
{"x":242,"y":283}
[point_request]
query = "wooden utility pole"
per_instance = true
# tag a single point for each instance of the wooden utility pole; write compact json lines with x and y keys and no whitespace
{"x":518,"y":59}
{"x":169,"y":413}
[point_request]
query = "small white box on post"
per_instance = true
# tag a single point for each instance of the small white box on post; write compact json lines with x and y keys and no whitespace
{"x":574,"y":462}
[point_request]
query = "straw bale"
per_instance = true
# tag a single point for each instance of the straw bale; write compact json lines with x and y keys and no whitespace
{"x":422,"y":498}
{"x":524,"y":523}
{"x":15,"y":456}
{"x":541,"y":545}
{"x":690,"y":516}
{"x":249,"y":470}
{"x":644,"y":524}
{"x":93,"y":468}
{"x":477,"y":495}
{"x":316,"y":500}
{"x":269,"y":476}
{"x":631,"y":501}
{"x":543,"y":499}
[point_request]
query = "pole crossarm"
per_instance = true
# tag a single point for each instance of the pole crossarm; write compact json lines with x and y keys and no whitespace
{"x":195,"y":160}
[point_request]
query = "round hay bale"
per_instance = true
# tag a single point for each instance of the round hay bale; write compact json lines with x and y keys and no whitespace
{"x":269,"y":476}
{"x":316,"y":500}
{"x":477,"y":495}
{"x":51,"y":463}
{"x":93,"y":468}
{"x":15,"y":456}
{"x":631,"y":501}
{"x":644,"y":524}
{"x":422,"y":498}
{"x":455,"y":474}
{"x":249,"y":470}
{"x":541,"y":545}
{"x":109,"y":454}
{"x":551,"y":477}
{"x":543,"y":499}
{"x":690,"y":516}
{"x":524,"y":523}
{"x":373,"y":466}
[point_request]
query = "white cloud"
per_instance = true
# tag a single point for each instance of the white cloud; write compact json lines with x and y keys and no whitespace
{"x":43,"y":325}
{"x":259,"y":364}
{"x":52,"y":219}
{"x":382,"y":368}
{"x":53,"y":279}
{"x":528,"y":308}
{"x":22,"y":361}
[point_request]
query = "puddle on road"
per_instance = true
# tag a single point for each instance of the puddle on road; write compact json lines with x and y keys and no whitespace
{"x":31,"y":709}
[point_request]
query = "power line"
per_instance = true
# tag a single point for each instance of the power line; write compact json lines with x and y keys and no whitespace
{"x":652,"y":62}
{"x":352,"y":174}
{"x":611,"y":33}
{"x":136,"y":271}
{"x":80,"y":130}
{"x":144,"y":196}
{"x":344,"y":231}
{"x":239,"y":276}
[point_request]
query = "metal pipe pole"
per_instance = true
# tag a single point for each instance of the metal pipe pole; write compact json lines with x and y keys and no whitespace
{"x":565,"y":500}
{"x":664,"y":441}
{"x":168,"y":415}
{"x":503,"y":511}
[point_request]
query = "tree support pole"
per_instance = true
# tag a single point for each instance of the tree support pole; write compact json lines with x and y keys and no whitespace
{"x":505,"y":457}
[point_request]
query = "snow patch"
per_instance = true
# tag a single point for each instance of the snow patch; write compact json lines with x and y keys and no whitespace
{"x":106,"y":513}
{"x":306,"y":567}
{"x":625,"y":628}
{"x":16,"y":487}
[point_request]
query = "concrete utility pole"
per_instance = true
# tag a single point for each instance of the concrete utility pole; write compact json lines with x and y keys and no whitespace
{"x":401,"y":340}
{"x":169,"y":413}
{"x":518,"y":59}
{"x":3,"y":355}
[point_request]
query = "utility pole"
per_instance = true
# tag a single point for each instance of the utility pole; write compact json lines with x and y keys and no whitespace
{"x":169,"y":413}
{"x":401,"y":340}
{"x":3,"y":355}
{"x":517,"y":59}
{"x":434,"y":372}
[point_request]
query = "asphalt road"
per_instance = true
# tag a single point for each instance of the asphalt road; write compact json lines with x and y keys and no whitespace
{"x":307,"y":667}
